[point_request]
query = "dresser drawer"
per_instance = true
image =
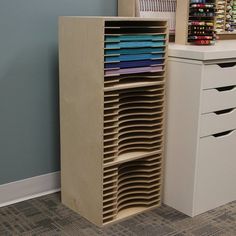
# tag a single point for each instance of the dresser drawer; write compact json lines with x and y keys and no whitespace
{"x":216,"y":175}
{"x":219,"y":75}
{"x":217,"y":122}
{"x":218,"y":99}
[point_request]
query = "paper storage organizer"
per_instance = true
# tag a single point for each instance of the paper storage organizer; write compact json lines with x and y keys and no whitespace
{"x":160,"y":9}
{"x":112,"y":96}
{"x":195,"y":22}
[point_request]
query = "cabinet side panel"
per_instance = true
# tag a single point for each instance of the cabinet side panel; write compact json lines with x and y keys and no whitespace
{"x":81,"y":108}
{"x":184,"y":86}
{"x":127,"y":8}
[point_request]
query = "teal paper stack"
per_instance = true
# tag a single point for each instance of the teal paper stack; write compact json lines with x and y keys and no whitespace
{"x":142,"y":50}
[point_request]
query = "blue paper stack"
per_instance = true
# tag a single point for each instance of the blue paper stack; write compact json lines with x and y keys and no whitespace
{"x":132,"y":54}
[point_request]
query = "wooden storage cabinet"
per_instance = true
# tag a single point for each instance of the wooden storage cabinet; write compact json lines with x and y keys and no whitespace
{"x":112,"y":104}
{"x":201,"y":131}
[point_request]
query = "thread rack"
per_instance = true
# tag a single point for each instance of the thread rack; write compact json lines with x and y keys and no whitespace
{"x":112,"y":96}
{"x":225,"y":22}
{"x":195,"y":22}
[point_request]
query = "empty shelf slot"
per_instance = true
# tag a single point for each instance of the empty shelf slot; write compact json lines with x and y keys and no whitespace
{"x":108,"y":217}
{"x":144,"y":198}
{"x":144,"y":134}
{"x":140,"y":150}
{"x":107,"y":192}
{"x":140,"y":203}
{"x":110,"y":203}
{"x":149,"y":178}
{"x":110,"y":124}
{"x":138,"y":181}
{"x":141,"y":142}
{"x":109,"y":157}
{"x":109,"y":169}
{"x":109,"y":187}
{"x":127,"y":38}
{"x":141,"y":187}
{"x":124,"y":113}
{"x":109,"y":176}
{"x":109,"y":131}
{"x":140,"y":191}
{"x":135,"y":23}
{"x":110,"y":144}
{"x":109,"y":211}
{"x":134,"y":171}
{"x":130,"y":117}
{"x":135,"y":30}
{"x":134,"y":82}
{"x":141,"y":122}
{"x":134,"y":70}
{"x":110,"y":151}
{"x":155,"y":127}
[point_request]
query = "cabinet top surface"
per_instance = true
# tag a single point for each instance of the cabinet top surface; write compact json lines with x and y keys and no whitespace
{"x":221,"y":50}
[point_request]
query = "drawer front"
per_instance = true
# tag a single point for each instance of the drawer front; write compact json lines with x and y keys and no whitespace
{"x":216,"y":100}
{"x":216,"y":175}
{"x":219,"y":75}
{"x":217,"y":122}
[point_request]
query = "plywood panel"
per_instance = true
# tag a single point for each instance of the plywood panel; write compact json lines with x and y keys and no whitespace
{"x":81,"y":104}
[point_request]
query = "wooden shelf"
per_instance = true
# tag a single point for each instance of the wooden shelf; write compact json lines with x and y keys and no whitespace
{"x":133,"y":85}
{"x":112,"y":104}
{"x":131,"y":157}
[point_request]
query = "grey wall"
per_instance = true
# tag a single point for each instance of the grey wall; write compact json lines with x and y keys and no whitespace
{"x":29,"y":115}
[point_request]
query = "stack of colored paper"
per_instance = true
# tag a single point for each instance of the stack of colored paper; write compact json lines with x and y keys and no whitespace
{"x":134,"y":53}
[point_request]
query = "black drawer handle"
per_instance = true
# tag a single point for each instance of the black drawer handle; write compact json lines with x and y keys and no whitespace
{"x":223,"y":134}
{"x":224,"y":111}
{"x":228,"y":88}
{"x":227,"y":65}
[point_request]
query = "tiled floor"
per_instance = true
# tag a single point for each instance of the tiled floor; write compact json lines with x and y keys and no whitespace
{"x":47,"y":216}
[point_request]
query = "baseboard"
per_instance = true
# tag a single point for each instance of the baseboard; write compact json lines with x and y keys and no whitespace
{"x":29,"y":188}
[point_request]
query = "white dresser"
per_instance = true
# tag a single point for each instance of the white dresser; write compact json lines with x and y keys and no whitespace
{"x":200,"y":168}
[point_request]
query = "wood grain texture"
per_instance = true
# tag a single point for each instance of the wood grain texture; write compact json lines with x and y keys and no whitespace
{"x":127,"y":8}
{"x":227,"y":36}
{"x":81,"y":105}
{"x":182,"y":15}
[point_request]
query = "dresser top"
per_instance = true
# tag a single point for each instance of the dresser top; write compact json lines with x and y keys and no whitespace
{"x":225,"y":49}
